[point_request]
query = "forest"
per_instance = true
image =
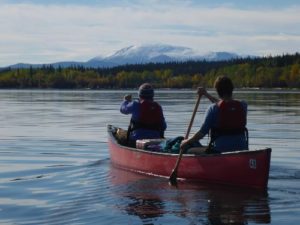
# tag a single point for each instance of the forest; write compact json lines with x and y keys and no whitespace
{"x":261,"y":72}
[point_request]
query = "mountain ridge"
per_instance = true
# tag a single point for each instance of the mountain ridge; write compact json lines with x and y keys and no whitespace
{"x":143,"y":54}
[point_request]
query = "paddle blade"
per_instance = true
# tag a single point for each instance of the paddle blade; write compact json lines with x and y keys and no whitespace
{"x":173,"y":178}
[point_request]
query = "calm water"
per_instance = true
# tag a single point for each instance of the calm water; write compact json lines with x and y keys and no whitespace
{"x":55,"y":166}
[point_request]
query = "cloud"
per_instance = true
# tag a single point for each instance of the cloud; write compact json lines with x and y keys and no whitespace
{"x":39,"y":33}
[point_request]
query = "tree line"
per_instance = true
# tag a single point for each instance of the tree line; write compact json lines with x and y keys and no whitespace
{"x":263,"y":72}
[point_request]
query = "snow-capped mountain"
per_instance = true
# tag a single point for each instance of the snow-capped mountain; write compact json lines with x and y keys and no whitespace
{"x":146,"y":54}
{"x":142,"y":54}
{"x":159,"y":54}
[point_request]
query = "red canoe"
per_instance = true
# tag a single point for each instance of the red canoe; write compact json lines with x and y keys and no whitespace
{"x":242,"y":168}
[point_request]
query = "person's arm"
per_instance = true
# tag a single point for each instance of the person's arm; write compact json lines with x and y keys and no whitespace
{"x":164,"y":123}
{"x":196,"y":137}
{"x":202,"y":91}
{"x":127,"y":105}
{"x":206,"y":126}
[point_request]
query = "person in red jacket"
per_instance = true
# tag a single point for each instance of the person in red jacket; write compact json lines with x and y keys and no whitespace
{"x":147,"y":118}
{"x":225,"y":120}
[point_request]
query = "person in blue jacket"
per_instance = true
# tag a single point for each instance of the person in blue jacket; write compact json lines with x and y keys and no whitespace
{"x":225,"y":120}
{"x":147,"y":118}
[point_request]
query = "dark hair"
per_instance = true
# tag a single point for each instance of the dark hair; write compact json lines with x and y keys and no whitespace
{"x":224,"y":86}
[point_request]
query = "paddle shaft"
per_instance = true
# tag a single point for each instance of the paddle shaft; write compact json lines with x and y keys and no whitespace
{"x":193,"y":117}
{"x":173,"y":176}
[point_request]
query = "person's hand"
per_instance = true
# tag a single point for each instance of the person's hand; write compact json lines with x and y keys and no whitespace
{"x":184,"y":144}
{"x":201,"y":91}
{"x":128,"y":98}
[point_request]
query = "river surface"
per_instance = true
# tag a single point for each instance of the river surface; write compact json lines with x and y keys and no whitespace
{"x":55,"y":166}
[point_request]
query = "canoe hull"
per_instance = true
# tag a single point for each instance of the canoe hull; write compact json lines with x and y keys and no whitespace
{"x":244,"y":168}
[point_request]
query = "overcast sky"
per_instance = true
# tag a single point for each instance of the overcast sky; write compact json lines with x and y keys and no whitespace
{"x":47,"y":31}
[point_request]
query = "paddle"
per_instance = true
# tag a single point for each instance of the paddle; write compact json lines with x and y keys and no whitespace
{"x":173,"y":176}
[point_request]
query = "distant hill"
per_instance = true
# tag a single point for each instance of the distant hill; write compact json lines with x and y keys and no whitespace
{"x":251,"y":72}
{"x":141,"y":55}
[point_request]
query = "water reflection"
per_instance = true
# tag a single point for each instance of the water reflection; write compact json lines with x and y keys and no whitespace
{"x":238,"y":207}
{"x":145,"y":206}
{"x":151,"y":199}
{"x":142,"y":198}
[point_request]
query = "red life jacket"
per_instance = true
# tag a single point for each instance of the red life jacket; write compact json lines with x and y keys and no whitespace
{"x":232,"y":115}
{"x":231,"y":121}
{"x":151,"y":116}
{"x":150,"y":113}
